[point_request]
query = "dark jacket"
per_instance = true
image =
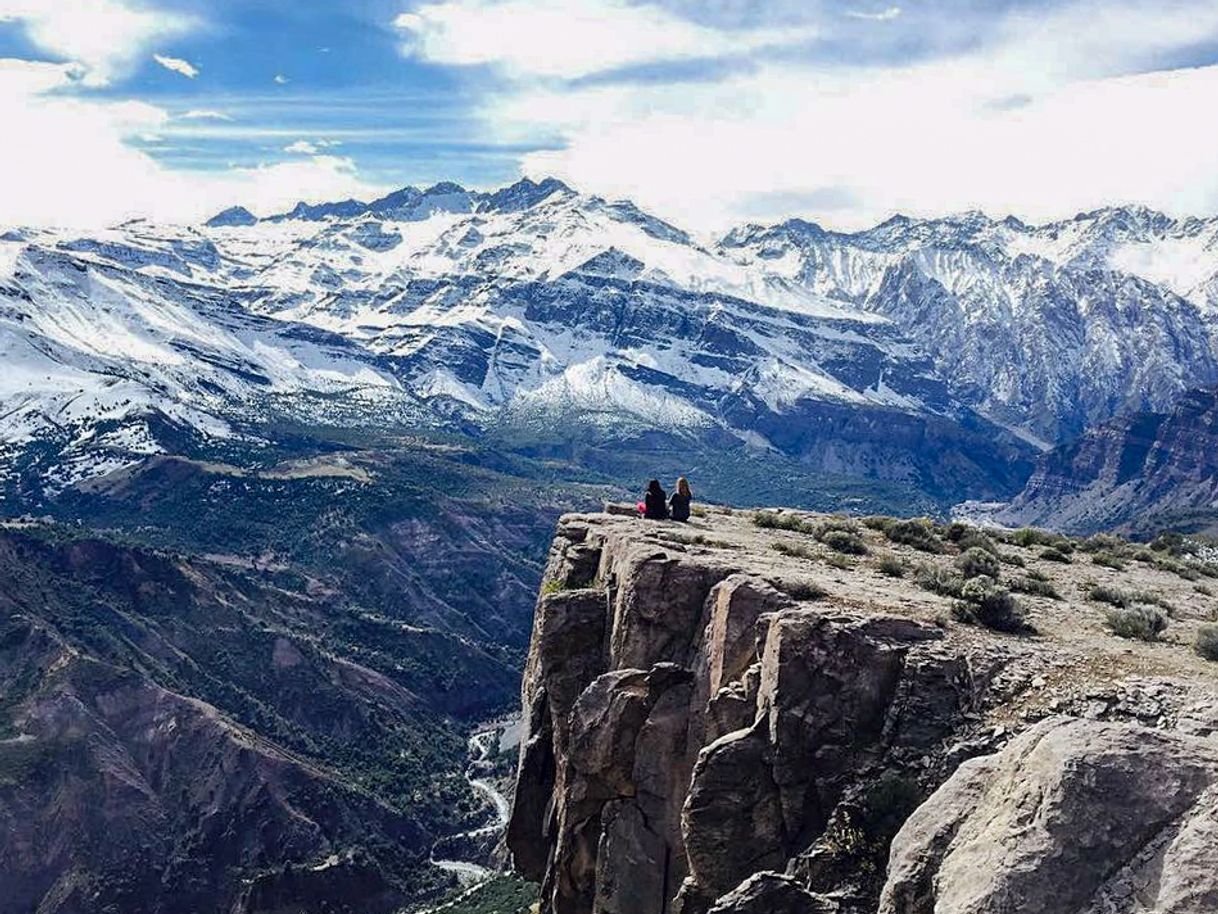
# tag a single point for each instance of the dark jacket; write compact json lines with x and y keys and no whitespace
{"x":654,"y":505}
{"x":680,"y":506}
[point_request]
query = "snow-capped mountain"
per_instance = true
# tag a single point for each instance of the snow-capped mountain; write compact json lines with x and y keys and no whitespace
{"x":1045,"y":329}
{"x":544,"y":315}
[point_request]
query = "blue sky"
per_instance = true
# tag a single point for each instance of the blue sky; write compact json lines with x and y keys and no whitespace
{"x":706,"y":111}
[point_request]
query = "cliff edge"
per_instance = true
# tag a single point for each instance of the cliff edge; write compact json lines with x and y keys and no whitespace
{"x":782,"y":712}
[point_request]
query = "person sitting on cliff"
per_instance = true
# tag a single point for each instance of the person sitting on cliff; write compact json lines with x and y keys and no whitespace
{"x":679,"y":503}
{"x":655,"y":505}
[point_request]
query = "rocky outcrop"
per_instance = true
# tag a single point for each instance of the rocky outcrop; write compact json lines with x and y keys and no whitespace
{"x":1143,"y":472}
{"x":1072,"y":816}
{"x":708,"y":733}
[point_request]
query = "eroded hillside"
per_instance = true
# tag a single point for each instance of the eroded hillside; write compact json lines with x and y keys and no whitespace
{"x":759,"y":711}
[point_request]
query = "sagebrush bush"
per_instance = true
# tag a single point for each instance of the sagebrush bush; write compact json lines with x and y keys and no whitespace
{"x":843,"y":541}
{"x":837,"y":560}
{"x":919,"y":533}
{"x":938,"y":580}
{"x":776,"y":520}
{"x":1207,"y":642}
{"x":1053,"y":554}
{"x":977,"y":561}
{"x":1103,"y":593}
{"x":975,"y":539}
{"x":1010,"y":558}
{"x":1036,"y":587}
{"x":880,"y":522}
{"x":990,"y":605}
{"x":1107,"y":560}
{"x":796,"y":550}
{"x":892,"y":566}
{"x":1145,"y":623}
{"x":1104,"y":542}
{"x":801,"y":589}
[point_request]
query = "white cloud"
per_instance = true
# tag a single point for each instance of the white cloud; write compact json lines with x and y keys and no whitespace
{"x":106,"y":37}
{"x":69,"y":161}
{"x":177,"y":65}
{"x":204,"y":114}
{"x":571,"y":38}
{"x":280,"y":79}
{"x":302,"y":146}
{"x":1044,"y":122}
{"x":884,"y":15}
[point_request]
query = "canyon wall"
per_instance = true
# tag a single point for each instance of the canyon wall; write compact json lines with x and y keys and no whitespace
{"x":713,"y":724}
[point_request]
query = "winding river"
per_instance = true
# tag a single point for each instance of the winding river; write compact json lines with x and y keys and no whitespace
{"x":471,"y":875}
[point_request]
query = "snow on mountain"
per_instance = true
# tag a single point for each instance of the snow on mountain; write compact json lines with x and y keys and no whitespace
{"x":901,"y":352}
{"x":1046,"y":329}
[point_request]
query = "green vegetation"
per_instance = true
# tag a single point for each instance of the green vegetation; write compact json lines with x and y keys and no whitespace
{"x":843,"y":541}
{"x":782,"y":520}
{"x":938,"y":580}
{"x":801,"y":589}
{"x":976,"y":561}
{"x":1103,"y":593}
{"x":1108,"y":560}
{"x":795,"y":550}
{"x":503,"y":894}
{"x":918,"y":533}
{"x":1144,"y":623}
{"x":986,"y":603}
{"x":1053,"y":554}
{"x":892,"y":566}
{"x":1036,"y":587}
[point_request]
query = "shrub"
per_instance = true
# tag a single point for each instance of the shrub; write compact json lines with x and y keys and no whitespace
{"x":938,"y":580}
{"x":880,"y":522}
{"x":975,"y":539}
{"x":1010,"y":558}
{"x":1036,"y":587}
{"x":990,"y":605}
{"x":1145,"y":623}
{"x":1203,"y":590}
{"x":1107,"y":560}
{"x":1036,"y":574}
{"x":1102,"y":593}
{"x":1173,"y":544}
{"x":1207,"y":642}
{"x":977,"y":561}
{"x":1145,"y":555}
{"x":780,"y":520}
{"x":843,"y":541}
{"x":1053,"y":554}
{"x":1030,"y":536}
{"x":801,"y":589}
{"x":1104,"y":542}
{"x":953,"y":531}
{"x":839,"y":561}
{"x":795,"y":550}
{"x":892,"y":566}
{"x":919,"y":533}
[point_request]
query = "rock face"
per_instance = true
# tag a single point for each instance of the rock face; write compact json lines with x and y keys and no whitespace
{"x":707,"y":734}
{"x":1072,"y":816}
{"x":1145,"y":470}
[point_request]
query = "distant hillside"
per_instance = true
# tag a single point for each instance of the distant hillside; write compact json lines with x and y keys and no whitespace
{"x":1139,"y":473}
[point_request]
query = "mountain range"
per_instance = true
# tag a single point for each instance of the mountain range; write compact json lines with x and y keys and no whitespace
{"x":938,"y":354}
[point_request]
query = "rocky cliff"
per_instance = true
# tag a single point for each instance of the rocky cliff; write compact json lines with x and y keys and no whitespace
{"x":753,"y":714}
{"x":1142,"y":472}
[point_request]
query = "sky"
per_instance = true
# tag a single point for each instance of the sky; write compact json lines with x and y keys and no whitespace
{"x":709,"y":113}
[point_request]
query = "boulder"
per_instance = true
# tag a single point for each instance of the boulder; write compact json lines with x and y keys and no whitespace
{"x":1072,"y":816}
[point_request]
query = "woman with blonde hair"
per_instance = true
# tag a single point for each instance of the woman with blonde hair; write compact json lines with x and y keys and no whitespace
{"x":679,"y":503}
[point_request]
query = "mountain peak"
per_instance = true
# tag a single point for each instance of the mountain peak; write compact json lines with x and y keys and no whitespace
{"x":524,"y":194}
{"x":231,"y":217}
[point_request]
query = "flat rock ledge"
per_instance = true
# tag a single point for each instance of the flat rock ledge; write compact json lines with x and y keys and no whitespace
{"x":707,"y":732}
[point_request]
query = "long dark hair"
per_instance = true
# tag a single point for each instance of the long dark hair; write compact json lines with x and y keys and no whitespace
{"x":654,"y":487}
